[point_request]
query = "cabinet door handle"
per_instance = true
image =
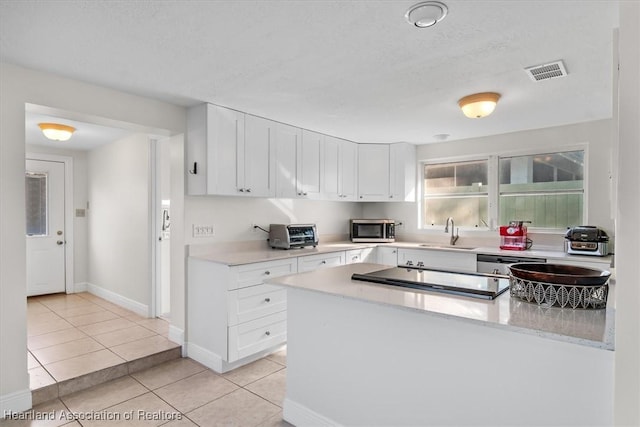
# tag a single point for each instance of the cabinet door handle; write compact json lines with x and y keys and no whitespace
{"x":323,"y":262}
{"x":267,"y":272}
{"x":391,"y":196}
{"x":248,"y":190}
{"x":267,"y":300}
{"x":304,"y":194}
{"x":361,"y":197}
{"x":393,"y":252}
{"x":267,"y":333}
{"x":241,"y":190}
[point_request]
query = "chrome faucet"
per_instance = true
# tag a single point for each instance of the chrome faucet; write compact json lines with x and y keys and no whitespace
{"x":455,"y":238}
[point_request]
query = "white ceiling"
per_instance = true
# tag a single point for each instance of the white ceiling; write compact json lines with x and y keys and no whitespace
{"x":354,"y":69}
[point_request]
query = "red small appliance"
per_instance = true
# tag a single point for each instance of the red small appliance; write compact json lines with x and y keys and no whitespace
{"x":513,"y":237}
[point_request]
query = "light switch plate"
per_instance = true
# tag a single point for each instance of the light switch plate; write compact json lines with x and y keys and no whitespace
{"x":202,"y":230}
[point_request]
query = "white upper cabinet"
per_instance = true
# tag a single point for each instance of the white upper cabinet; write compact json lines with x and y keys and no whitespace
{"x":228,"y":153}
{"x":234,"y":153}
{"x":402,"y":173}
{"x":309,"y":165}
{"x":256,"y":175}
{"x":373,"y":172}
{"x":297,"y":162}
{"x":348,"y":170}
{"x":339,"y":169}
{"x":213,"y":136}
{"x":287,"y":142}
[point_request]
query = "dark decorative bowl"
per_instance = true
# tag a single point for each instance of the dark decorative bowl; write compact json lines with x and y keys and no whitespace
{"x":559,"y":274}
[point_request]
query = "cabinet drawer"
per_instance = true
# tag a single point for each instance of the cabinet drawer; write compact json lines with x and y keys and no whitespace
{"x":360,"y":255}
{"x":314,"y":262}
{"x":254,"y":302}
{"x":248,"y":338}
{"x":255,"y":273}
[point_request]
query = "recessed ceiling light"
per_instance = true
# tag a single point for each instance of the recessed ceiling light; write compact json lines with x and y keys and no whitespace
{"x":441,"y":136}
{"x":426,"y":14}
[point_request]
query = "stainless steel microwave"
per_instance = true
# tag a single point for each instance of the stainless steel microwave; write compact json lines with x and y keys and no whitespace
{"x":373,"y":230}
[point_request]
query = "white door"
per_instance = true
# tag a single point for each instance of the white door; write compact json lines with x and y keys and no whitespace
{"x":44,"y":195}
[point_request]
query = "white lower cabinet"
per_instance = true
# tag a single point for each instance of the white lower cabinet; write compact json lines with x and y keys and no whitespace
{"x":387,"y":256}
{"x":360,"y":255}
{"x":437,"y":259}
{"x":232,"y":316}
{"x":249,"y":338}
{"x":326,"y":260}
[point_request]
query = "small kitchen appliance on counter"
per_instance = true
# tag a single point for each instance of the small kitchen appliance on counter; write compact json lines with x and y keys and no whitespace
{"x":289,"y":236}
{"x":513,"y":237}
{"x":586,"y":240}
{"x":373,"y":230}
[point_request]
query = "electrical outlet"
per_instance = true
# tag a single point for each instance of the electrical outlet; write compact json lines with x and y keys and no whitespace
{"x":202,"y":230}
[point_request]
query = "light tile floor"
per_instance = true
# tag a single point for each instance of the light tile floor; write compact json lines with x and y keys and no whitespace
{"x":70,"y":335}
{"x":177,"y":393}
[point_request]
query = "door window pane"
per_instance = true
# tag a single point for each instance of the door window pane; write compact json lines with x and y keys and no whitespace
{"x":36,"y":203}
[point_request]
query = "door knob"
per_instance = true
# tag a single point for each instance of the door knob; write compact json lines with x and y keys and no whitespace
{"x":59,"y":242}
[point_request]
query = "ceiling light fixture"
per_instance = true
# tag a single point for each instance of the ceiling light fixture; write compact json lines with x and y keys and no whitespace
{"x":426,"y":14}
{"x":56,"y":131}
{"x":479,"y":104}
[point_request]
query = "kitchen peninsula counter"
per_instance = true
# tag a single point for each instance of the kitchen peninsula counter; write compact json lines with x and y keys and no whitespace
{"x":593,"y":328}
{"x":368,"y":354}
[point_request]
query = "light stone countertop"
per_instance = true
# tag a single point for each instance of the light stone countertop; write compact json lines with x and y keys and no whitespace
{"x":593,"y":328}
{"x":230,"y":255}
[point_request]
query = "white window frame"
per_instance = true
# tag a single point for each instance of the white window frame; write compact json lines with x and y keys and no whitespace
{"x":493,"y":164}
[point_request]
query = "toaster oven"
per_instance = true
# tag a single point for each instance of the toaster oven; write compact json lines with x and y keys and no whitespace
{"x":289,"y":236}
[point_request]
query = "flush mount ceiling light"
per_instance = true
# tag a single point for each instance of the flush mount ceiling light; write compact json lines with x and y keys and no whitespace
{"x":426,"y":14}
{"x":479,"y":104}
{"x":56,"y":131}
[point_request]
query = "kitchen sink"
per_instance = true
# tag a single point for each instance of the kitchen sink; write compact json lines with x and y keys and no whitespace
{"x":428,"y":245}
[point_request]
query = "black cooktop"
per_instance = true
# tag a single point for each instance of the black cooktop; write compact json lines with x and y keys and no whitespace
{"x":476,"y":285}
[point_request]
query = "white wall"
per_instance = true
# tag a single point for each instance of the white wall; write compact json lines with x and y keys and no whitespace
{"x":80,"y":241}
{"x":118,"y":188}
{"x":596,"y":134}
{"x":21,"y":86}
{"x":627,"y":378}
{"x":232,"y":217}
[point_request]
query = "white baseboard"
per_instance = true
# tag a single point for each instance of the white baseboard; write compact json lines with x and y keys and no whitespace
{"x":129,"y":304}
{"x":80,"y":287}
{"x":213,"y":361}
{"x":177,"y":336}
{"x":13,"y":403}
{"x":300,"y":415}
{"x":204,"y":356}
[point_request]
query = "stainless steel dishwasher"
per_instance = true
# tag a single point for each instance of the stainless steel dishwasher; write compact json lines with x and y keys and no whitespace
{"x":499,"y":264}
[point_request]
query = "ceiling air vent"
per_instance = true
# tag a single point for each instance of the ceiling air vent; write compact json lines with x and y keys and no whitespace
{"x":546,"y":71}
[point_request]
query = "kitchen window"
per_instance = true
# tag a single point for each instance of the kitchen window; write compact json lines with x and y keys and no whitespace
{"x":544,"y":188}
{"x":458,"y":190}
